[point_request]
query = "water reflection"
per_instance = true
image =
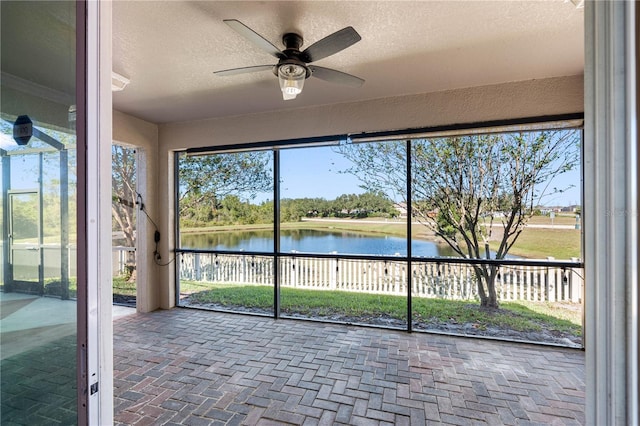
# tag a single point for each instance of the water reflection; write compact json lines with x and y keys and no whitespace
{"x":313,"y":241}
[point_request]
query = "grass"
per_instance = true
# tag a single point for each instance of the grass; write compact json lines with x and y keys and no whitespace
{"x":566,"y":317}
{"x":560,"y":219}
{"x":517,"y":316}
{"x":541,"y":243}
{"x":123,"y":287}
{"x":53,"y":287}
{"x":523,"y":317}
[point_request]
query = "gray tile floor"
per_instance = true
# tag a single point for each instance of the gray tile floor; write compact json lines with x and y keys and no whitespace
{"x":205,"y":368}
{"x":38,"y":359}
{"x":39,"y":385}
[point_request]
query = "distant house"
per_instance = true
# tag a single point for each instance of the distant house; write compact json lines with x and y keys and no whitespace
{"x":570,"y":209}
{"x":546,"y":210}
{"x":401,"y":208}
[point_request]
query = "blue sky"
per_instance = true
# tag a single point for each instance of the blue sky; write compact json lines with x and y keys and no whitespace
{"x":314,"y":172}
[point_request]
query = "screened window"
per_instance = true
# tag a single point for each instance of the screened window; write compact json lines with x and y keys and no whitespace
{"x":398,"y":230}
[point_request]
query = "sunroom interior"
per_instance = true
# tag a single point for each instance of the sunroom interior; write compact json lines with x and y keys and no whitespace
{"x":427,"y":67}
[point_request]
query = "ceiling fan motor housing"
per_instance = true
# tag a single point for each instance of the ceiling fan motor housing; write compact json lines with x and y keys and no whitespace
{"x":292,"y":41}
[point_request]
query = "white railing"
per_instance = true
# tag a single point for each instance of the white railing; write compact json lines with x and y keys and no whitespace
{"x":443,"y":279}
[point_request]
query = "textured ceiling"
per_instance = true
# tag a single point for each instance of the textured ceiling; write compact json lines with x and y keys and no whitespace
{"x":170,"y":49}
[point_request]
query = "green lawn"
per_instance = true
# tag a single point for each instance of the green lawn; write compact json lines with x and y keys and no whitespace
{"x":519,"y":316}
{"x":525,"y":317}
{"x":123,"y":287}
{"x":536,"y":243}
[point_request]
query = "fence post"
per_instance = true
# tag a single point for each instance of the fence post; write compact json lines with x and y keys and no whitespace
{"x":243,"y":270}
{"x":575,"y":283}
{"x":334,"y":276}
{"x":551,"y":282}
{"x":196,"y":266}
{"x":122,"y":262}
{"x":293,"y":273}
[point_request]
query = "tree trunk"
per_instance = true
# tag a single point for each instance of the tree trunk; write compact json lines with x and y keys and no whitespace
{"x":492,"y":299}
{"x":489,"y":302}
{"x":487,"y":286}
{"x":484,"y":298}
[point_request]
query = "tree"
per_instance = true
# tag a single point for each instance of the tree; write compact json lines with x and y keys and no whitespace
{"x":124,"y":195}
{"x":205,"y":180}
{"x":472,"y":189}
{"x":375,"y":204}
{"x":292,"y":210}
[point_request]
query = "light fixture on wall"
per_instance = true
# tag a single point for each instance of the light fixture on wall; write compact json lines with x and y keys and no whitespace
{"x":291,"y":78}
{"x":72,"y":114}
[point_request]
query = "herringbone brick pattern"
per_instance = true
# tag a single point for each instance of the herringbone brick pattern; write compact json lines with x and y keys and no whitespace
{"x":205,"y":368}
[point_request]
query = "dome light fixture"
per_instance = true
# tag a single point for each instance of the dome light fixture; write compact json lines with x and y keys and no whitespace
{"x":291,"y":78}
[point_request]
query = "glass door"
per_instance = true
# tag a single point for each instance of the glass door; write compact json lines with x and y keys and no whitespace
{"x":25,"y":243}
{"x":39,"y":323}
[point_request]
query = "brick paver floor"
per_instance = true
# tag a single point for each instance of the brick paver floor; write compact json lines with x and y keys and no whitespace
{"x":206,"y":368}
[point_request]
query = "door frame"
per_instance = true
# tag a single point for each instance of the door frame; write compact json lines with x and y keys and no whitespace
{"x":38,"y":194}
{"x":94,"y":133}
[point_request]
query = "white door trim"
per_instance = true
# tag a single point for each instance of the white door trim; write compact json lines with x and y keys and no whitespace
{"x":99,"y":287}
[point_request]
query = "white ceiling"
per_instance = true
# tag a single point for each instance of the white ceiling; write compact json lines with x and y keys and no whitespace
{"x":169,"y":50}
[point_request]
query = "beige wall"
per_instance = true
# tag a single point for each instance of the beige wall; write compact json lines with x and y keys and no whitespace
{"x":497,"y":102}
{"x":143,"y":136}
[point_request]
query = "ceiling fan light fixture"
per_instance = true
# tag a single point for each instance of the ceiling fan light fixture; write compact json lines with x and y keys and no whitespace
{"x":291,"y":78}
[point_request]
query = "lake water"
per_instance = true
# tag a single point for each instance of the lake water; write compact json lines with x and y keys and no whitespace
{"x":313,"y":241}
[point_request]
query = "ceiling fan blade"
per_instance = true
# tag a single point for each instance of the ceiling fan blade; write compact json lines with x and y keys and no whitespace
{"x":254,"y":37}
{"x":331,"y":44}
{"x":335,"y":76}
{"x":243,"y":70}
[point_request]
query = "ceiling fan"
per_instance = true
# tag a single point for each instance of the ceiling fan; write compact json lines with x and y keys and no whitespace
{"x":294,"y":66}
